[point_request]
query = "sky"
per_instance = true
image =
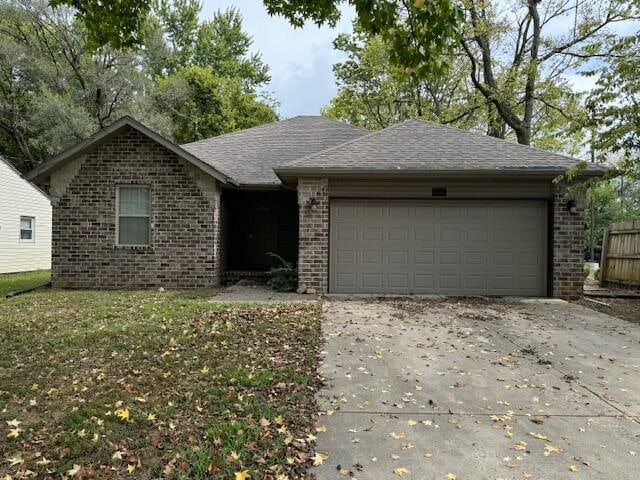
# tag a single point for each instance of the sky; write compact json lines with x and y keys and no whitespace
{"x":300,"y":60}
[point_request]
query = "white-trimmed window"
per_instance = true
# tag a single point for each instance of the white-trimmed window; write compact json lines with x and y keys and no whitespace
{"x":27,"y":229}
{"x":133,"y":222}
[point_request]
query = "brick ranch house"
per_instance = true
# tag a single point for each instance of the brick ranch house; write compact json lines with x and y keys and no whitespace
{"x":417,"y":208}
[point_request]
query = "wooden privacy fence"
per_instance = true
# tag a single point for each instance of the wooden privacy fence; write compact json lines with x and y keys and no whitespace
{"x":621,"y":254}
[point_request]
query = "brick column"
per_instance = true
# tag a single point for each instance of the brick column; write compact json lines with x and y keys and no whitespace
{"x":313,"y":253}
{"x":568,"y":245}
{"x":217,"y":238}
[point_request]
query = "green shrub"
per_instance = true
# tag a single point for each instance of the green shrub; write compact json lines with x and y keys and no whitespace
{"x":284,"y":276}
{"x":587,"y":271}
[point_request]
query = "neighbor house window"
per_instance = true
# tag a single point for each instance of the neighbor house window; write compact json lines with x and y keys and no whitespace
{"x":133,"y":215}
{"x":27,"y":229}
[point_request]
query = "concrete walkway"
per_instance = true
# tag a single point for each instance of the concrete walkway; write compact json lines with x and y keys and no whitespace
{"x":248,"y":293}
{"x":478,"y":389}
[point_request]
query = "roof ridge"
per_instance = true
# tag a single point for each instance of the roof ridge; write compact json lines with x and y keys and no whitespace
{"x":495,"y":139}
{"x":340,"y":145}
{"x":264,"y":125}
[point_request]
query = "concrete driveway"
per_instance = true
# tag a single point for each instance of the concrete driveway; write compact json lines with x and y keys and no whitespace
{"x":478,"y":389}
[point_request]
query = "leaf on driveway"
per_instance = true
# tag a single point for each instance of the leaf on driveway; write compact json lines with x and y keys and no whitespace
{"x":400,"y":471}
{"x":319,"y":458}
{"x":549,"y":449}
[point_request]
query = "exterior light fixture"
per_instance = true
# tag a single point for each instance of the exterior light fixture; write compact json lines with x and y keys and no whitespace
{"x":312,"y":203}
{"x":571,"y":206}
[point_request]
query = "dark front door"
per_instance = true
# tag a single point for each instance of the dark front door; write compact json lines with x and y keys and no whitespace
{"x":256,"y":223}
{"x":260,"y":232}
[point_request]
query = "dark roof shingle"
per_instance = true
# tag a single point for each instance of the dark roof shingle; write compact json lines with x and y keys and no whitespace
{"x":249,"y":156}
{"x":417,"y":145}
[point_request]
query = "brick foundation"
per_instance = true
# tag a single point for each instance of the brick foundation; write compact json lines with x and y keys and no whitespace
{"x":185,"y":220}
{"x":313,"y":253}
{"x":568,"y":247}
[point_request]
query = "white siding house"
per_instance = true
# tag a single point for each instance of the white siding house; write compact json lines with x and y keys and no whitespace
{"x":25,"y":223}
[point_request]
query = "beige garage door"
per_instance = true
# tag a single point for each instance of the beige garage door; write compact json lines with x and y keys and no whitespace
{"x":452,"y":247}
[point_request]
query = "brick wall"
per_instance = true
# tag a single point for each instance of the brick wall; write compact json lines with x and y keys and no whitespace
{"x":568,"y":246}
{"x":313,"y":253}
{"x":184,"y":220}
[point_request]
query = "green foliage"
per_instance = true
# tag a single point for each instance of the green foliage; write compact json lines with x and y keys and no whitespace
{"x":375,"y":93}
{"x":419,"y":31}
{"x":207,"y":80}
{"x":284,"y":276}
{"x":114,"y":23}
{"x":203,"y":105}
{"x":615,"y":200}
{"x":614,"y":103}
{"x":190,"y":78}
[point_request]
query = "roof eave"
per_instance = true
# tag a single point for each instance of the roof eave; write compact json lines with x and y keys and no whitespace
{"x":45,"y":169}
{"x":288,"y":175}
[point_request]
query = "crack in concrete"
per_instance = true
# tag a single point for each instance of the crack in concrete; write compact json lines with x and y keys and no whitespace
{"x":582,"y":385}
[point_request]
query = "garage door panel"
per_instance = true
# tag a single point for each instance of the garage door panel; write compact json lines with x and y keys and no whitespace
{"x":438,"y":246}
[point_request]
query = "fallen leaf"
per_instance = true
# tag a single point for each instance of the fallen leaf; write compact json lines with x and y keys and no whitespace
{"x":242,"y":475}
{"x":74,"y":471}
{"x":319,"y":458}
{"x":122,"y":414}
{"x":400,"y":471}
{"x":549,"y":449}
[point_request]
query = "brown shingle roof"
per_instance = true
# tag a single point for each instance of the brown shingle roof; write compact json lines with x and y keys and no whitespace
{"x":417,"y":145}
{"x":249,"y":156}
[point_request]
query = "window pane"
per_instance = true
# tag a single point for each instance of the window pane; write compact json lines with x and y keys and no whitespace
{"x":25,"y":223}
{"x":133,"y":231}
{"x":134,"y":201}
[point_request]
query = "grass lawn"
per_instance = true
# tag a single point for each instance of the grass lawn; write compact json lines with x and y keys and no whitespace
{"x":13,"y":282}
{"x":155,"y":385}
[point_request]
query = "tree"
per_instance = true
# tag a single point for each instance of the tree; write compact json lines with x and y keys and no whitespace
{"x":512,"y":49}
{"x":615,"y":200}
{"x":419,"y":31}
{"x":203,"y":104}
{"x":114,"y":23}
{"x":511,"y":61}
{"x":375,"y":93}
{"x":615,"y":103}
{"x":55,"y":90}
{"x":219,"y":43}
{"x":208,"y":80}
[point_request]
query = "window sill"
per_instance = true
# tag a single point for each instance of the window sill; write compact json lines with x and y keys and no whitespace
{"x":133,"y":247}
